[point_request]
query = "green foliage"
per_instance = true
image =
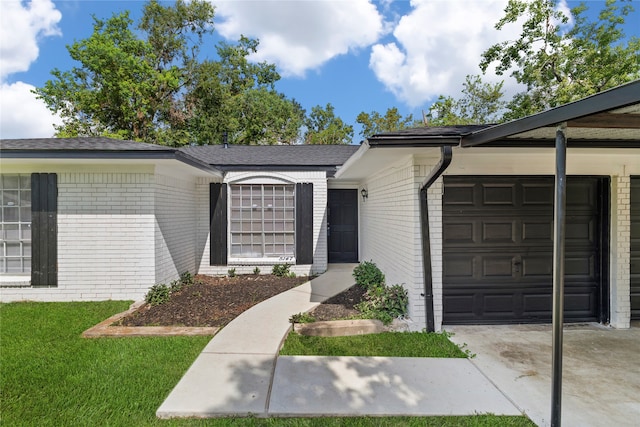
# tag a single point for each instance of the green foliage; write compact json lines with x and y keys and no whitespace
{"x":384,"y":303}
{"x":557,"y":65}
{"x":387,"y":344}
{"x":147,"y":82}
{"x":78,"y":381}
{"x":256,"y":271}
{"x":323,"y":127}
{"x":187,"y":278}
{"x":374,"y":123}
{"x":302,"y":318}
{"x":231,"y":272}
{"x":282,"y":270}
{"x":367,"y":274}
{"x":158,"y":294}
{"x":481,"y":103}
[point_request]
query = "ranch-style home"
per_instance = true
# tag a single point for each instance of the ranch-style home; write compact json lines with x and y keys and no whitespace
{"x":462,"y":216}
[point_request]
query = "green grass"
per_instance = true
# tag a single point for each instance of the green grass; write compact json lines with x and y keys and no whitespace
{"x":50,"y":376}
{"x":389,"y":344}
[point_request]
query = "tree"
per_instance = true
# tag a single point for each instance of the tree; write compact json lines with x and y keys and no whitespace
{"x":373,"y":123}
{"x":480,"y":103}
{"x":128,"y":87}
{"x":558,"y":66}
{"x":151,"y":85}
{"x":237,"y":97}
{"x":323,"y":127}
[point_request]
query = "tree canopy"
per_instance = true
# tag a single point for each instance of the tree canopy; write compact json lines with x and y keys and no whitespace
{"x":373,"y":123}
{"x":556,"y":65}
{"x":149,"y":83}
{"x":323,"y":127}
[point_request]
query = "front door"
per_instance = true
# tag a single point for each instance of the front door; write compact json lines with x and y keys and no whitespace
{"x":342,"y":225}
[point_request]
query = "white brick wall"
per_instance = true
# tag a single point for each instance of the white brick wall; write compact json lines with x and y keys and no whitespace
{"x":620,"y":256}
{"x":105,"y":238}
{"x":319,"y":181}
{"x":390,"y":231}
{"x":176,"y":221}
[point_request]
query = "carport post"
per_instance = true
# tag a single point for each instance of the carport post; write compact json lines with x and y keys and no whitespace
{"x":559,"y":219}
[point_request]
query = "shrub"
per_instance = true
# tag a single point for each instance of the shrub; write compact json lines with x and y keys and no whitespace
{"x":281,"y":270}
{"x":384,"y":303}
{"x":367,"y":274}
{"x":158,"y":294}
{"x":302,"y":318}
{"x":186,"y":278}
{"x":256,"y":271}
{"x":175,"y":286}
{"x":231,"y":272}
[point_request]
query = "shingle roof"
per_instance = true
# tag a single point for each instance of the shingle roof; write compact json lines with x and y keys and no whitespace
{"x":273,"y":155}
{"x":85,"y":143}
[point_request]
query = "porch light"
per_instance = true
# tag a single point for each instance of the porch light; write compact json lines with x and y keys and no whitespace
{"x":364,"y":193}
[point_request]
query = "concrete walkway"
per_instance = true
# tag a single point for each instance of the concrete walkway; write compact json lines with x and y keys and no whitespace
{"x":239,"y":372}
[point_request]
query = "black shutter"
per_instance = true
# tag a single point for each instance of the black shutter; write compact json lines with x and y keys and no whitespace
{"x":44,"y":230}
{"x":304,"y":223}
{"x":218,"y":224}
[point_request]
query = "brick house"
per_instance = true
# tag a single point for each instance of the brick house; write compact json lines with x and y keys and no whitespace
{"x":462,"y":216}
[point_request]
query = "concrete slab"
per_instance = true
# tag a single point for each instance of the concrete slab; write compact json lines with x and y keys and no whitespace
{"x":601,"y":370}
{"x":312,"y":386}
{"x":219,"y":385}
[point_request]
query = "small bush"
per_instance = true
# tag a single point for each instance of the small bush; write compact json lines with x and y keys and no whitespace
{"x":256,"y":271}
{"x":186,"y":278}
{"x":158,"y":294}
{"x":384,"y":303}
{"x":175,"y":286}
{"x":231,"y":272}
{"x":281,"y":270}
{"x":367,"y":274}
{"x":302,"y":318}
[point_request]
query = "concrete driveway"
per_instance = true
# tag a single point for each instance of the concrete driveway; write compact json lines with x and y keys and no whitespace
{"x":601,"y":370}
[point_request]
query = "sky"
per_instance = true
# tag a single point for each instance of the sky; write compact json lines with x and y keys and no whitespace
{"x":357,"y":55}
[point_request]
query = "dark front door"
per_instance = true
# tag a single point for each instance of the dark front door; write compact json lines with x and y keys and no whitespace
{"x":342,"y":225}
{"x":498,"y":249}
{"x":635,"y":248}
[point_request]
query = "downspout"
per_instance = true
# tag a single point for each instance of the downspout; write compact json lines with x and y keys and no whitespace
{"x":446,"y":153}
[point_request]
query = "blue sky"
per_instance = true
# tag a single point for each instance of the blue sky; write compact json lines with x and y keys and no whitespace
{"x":358,"y":55}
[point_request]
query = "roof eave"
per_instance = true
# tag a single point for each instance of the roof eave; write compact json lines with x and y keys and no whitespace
{"x":617,"y":97}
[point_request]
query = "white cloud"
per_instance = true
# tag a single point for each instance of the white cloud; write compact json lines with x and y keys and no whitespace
{"x":301,"y":35}
{"x":22,"y":115}
{"x":21,"y":27}
{"x":436,"y":45}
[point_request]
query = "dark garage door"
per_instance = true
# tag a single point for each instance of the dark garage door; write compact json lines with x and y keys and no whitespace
{"x":635,"y":248}
{"x":498,"y":249}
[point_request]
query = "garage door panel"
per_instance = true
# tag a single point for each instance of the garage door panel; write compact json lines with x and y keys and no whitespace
{"x":498,"y":250}
{"x":635,"y":248}
{"x":499,"y":194}
{"x":537,"y":195}
{"x":499,"y":231}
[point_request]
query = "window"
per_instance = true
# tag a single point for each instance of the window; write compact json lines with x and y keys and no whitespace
{"x":263,"y":221}
{"x":15,"y":224}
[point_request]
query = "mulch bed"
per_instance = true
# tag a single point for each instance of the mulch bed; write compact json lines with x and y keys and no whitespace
{"x":215,"y":301}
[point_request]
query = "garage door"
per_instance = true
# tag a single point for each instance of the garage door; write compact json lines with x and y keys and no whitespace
{"x":498,"y":249}
{"x":635,"y":248}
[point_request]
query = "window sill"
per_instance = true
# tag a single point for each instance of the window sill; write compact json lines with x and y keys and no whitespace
{"x":15,"y":281}
{"x":261,"y":261}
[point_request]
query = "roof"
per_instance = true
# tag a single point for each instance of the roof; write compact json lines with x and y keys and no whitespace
{"x":233,"y":157}
{"x":79,"y":144}
{"x":424,"y":135}
{"x":301,"y":157}
{"x":608,"y":119}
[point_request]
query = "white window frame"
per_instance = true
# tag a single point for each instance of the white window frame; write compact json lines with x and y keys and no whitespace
{"x":15,"y":228}
{"x":261,"y":221}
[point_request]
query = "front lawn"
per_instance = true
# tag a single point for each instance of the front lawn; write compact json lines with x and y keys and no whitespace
{"x":50,"y":376}
{"x":386,"y":344}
